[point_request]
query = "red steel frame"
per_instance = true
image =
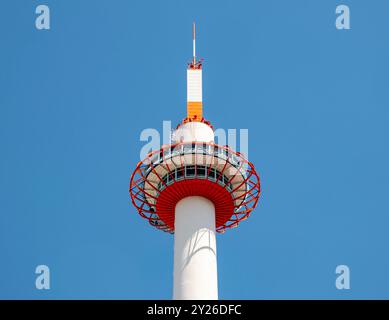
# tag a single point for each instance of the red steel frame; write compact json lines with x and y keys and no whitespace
{"x":228,"y":213}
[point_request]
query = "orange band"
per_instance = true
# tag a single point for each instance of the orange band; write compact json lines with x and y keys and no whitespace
{"x":195,"y":110}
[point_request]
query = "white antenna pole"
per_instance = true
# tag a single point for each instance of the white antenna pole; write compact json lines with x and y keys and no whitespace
{"x":194,"y":43}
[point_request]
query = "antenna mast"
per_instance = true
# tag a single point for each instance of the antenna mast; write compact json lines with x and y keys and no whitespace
{"x":194,"y":44}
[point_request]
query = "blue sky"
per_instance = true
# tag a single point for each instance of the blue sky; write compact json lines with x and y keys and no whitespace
{"x":74,"y":99}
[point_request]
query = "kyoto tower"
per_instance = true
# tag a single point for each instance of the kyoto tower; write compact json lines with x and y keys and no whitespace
{"x":193,"y":188}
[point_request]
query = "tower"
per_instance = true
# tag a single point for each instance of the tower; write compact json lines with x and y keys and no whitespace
{"x":194,"y":188}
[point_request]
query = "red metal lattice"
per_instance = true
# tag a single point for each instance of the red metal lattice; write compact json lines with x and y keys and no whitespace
{"x":163,"y":179}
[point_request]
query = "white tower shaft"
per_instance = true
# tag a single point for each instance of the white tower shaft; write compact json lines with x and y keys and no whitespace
{"x":195,"y":263}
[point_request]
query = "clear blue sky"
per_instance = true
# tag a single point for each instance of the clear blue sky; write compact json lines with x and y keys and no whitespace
{"x":74,"y":99}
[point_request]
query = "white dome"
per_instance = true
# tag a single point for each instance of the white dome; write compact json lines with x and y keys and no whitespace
{"x":193,"y":132}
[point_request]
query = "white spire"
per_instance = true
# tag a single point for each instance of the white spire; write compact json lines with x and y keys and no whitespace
{"x":194,"y":43}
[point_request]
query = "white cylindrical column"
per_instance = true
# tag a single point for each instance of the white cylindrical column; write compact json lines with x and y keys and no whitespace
{"x":195,"y":266}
